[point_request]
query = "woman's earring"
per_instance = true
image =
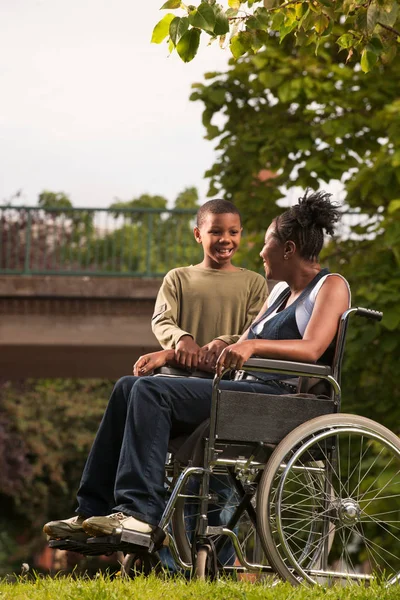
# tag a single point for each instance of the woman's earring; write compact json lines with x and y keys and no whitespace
{"x":285,"y":256}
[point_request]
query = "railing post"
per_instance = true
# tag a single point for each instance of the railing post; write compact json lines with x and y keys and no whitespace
{"x":28,"y":243}
{"x":149,"y":236}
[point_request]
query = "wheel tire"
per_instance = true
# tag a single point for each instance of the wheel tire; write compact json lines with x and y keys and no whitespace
{"x":349,"y":508}
{"x":200,"y":569}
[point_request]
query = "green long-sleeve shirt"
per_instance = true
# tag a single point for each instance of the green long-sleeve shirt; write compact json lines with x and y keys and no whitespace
{"x":206,"y":304}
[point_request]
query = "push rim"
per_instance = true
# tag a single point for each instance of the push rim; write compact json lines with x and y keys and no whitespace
{"x":364,"y":509}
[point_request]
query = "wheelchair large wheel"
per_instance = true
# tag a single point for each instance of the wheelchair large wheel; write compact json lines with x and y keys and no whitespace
{"x":354,"y":464}
{"x":224,"y":505}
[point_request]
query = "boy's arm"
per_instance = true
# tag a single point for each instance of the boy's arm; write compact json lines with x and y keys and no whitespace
{"x":164,"y":322}
{"x":257,"y":298}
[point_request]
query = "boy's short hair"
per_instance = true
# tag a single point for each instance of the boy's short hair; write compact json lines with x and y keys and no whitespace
{"x":216,"y":207}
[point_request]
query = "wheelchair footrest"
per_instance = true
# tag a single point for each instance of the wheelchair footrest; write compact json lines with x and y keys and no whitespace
{"x":122,"y":540}
{"x":81,"y":547}
{"x":130,"y":541}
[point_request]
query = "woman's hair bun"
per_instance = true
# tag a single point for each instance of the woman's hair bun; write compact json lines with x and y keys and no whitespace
{"x":317,"y":209}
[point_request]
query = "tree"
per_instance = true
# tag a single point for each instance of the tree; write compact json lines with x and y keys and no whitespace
{"x":287,"y":119}
{"x":372,"y":266}
{"x":284,"y":118}
{"x":46,"y":432}
{"x":368,"y":32}
{"x":149,"y":241}
{"x":49,"y":199}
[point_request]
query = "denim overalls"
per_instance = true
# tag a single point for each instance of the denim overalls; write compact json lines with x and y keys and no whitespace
{"x":283,"y":325}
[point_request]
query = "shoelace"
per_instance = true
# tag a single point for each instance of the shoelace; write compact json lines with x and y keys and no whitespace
{"x":119,"y":515}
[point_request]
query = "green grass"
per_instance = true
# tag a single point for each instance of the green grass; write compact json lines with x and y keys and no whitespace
{"x":153,"y":588}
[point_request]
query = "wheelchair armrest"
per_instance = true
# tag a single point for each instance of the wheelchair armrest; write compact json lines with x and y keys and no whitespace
{"x":175,"y":372}
{"x":287,"y":367}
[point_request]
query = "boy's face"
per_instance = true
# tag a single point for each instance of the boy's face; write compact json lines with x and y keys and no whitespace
{"x":220,"y":236}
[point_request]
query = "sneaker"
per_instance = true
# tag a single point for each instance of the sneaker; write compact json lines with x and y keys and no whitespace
{"x":70,"y":529}
{"x":98,"y":526}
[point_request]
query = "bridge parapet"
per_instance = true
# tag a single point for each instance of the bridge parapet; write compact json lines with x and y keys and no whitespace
{"x":74,"y":326}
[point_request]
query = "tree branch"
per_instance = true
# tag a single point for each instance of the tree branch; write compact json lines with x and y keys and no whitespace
{"x":388,"y":28}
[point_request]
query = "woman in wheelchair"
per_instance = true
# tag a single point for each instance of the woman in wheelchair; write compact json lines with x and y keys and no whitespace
{"x":122,"y":485}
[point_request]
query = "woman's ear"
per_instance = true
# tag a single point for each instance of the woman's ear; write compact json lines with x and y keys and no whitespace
{"x":289,"y":249}
{"x":197,"y":235}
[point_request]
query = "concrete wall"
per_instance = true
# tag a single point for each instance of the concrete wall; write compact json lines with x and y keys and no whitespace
{"x":74,"y":326}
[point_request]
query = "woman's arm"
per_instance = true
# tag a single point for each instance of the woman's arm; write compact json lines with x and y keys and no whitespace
{"x":331,"y":302}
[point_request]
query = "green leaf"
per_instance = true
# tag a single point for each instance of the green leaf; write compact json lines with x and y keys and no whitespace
{"x":286,"y":29}
{"x":263,"y":16}
{"x":394,"y":205}
{"x":217,"y":96}
{"x":171,"y":4}
{"x":259,"y":39}
{"x":321,"y":23}
{"x":361,"y":19}
{"x":289,"y":90}
{"x":277,"y":21}
{"x":388,"y":15}
{"x":346,"y":40}
{"x":188,"y":45}
{"x":368,"y":59}
{"x":178,"y":28}
{"x":269,"y":79}
{"x":241,"y":43}
{"x":203,"y":17}
{"x":161,"y":30}
{"x":301,"y":9}
{"x":391,"y":318}
{"x":372,"y":16}
{"x":221,"y":21}
{"x":253,"y":23}
{"x":235,"y":4}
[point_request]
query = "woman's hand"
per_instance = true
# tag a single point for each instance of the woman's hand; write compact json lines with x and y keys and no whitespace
{"x":234,"y":356}
{"x":148,"y":362}
{"x":209,"y":354}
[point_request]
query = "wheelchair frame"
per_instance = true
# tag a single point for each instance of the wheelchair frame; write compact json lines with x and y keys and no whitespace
{"x":311,"y":442}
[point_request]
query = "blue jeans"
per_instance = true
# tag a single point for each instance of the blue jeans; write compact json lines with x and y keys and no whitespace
{"x":125,"y":467}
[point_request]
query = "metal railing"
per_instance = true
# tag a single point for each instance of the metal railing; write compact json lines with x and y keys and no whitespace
{"x":140,"y":242}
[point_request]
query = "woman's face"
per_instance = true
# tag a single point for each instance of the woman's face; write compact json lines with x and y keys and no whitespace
{"x":272,"y":255}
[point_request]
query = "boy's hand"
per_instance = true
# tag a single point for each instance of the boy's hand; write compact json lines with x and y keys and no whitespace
{"x":209,"y":354}
{"x":187,"y":352}
{"x":234,"y":356}
{"x":148,"y":362}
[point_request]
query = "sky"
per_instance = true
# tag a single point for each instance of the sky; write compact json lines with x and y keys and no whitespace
{"x":90,"y":108}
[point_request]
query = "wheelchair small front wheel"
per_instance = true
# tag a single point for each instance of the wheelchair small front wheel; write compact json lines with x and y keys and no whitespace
{"x":225,"y":504}
{"x":139,"y":563}
{"x":205,"y":564}
{"x":344,"y":527}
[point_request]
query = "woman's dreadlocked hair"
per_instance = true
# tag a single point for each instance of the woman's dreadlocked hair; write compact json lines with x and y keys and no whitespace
{"x":305,"y":222}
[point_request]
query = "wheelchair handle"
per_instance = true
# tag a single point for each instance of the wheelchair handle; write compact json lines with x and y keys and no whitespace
{"x":375,"y":315}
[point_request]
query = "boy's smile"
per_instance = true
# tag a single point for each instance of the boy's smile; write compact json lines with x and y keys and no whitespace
{"x":220,"y":236}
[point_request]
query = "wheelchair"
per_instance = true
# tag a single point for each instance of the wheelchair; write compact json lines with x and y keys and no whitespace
{"x":282,"y":486}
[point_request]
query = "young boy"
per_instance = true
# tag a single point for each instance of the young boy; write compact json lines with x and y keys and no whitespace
{"x":196,"y":304}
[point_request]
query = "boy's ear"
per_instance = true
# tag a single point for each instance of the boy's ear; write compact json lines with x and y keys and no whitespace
{"x":197,"y":235}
